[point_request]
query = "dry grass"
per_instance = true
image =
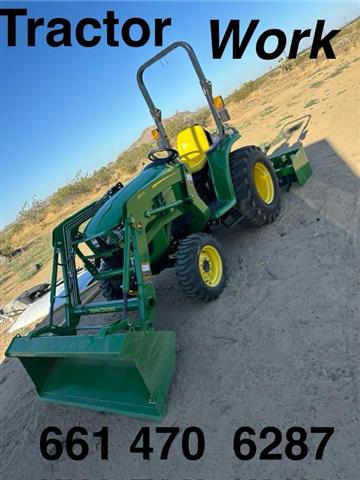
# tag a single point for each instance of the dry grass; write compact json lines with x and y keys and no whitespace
{"x":310,"y":103}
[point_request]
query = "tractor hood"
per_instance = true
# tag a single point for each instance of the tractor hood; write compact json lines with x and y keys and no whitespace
{"x":112,"y":213}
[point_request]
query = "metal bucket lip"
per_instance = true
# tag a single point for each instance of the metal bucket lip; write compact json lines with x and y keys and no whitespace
{"x":63,"y":346}
{"x":77,"y":345}
{"x":55,"y":363}
{"x":153,"y":413}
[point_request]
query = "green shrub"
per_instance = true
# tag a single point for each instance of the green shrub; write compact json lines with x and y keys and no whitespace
{"x":267,"y":111}
{"x":33,"y":211}
{"x":101,"y":177}
{"x":245,"y":90}
{"x":130,"y":160}
{"x":316,"y":84}
{"x":180,"y":121}
{"x":70,"y":193}
{"x":339,"y":70}
{"x":202,"y":116}
{"x":311,"y":102}
{"x":39,"y":252}
{"x":5,"y":247}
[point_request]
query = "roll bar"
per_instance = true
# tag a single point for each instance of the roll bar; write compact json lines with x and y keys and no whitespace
{"x":204,"y":83}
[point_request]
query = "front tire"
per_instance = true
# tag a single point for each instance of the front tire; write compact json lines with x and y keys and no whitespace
{"x":200,"y":267}
{"x":111,"y":289}
{"x":256,"y":186}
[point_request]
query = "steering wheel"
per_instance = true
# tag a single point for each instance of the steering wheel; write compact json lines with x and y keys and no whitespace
{"x":172,"y":155}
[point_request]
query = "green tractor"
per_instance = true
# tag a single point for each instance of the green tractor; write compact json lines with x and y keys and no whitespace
{"x":161,"y":218}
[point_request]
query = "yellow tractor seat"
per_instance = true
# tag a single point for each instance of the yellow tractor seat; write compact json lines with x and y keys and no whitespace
{"x":192,"y":144}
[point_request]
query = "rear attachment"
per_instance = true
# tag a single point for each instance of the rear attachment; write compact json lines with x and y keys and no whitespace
{"x":291,"y":163}
{"x":292,"y":166}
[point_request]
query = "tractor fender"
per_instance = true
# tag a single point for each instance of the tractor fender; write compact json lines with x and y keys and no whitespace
{"x":218,"y":158}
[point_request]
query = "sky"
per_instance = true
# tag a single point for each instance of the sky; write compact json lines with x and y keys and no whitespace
{"x":71,"y":109}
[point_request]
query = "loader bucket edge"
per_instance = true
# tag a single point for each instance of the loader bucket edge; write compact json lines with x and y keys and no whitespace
{"x":127,"y":373}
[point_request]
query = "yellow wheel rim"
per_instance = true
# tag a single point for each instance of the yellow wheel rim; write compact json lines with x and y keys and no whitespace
{"x":263,"y":182}
{"x":210,"y":266}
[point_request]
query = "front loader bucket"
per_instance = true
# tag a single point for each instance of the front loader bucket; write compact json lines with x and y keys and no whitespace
{"x":126,"y":373}
{"x":292,"y":165}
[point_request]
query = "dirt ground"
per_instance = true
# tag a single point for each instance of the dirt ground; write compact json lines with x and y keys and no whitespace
{"x":280,"y":347}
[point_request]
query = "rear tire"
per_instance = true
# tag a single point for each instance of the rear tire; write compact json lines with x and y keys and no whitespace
{"x":200,"y":267}
{"x":256,"y":186}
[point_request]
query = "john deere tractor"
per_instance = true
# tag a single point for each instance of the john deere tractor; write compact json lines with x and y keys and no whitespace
{"x":161,"y":218}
